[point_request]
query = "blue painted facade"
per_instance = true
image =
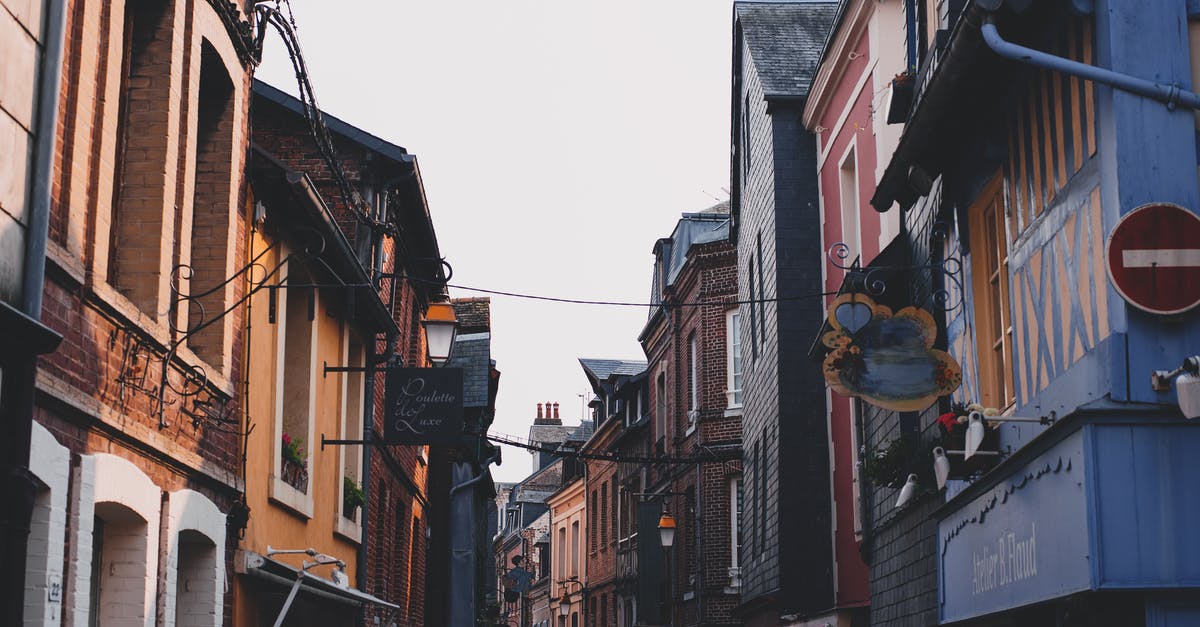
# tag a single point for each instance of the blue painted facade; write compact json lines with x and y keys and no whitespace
{"x":1091,"y":520}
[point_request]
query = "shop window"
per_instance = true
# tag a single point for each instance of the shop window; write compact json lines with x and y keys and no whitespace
{"x":989,"y":269}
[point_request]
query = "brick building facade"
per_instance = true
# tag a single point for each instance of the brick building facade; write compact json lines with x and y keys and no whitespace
{"x":135,"y":445}
{"x":690,"y":341}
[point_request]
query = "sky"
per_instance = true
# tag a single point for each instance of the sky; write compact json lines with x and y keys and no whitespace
{"x":557,"y":141}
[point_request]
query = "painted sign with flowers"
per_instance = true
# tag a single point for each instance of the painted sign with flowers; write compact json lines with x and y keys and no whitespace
{"x":885,"y":358}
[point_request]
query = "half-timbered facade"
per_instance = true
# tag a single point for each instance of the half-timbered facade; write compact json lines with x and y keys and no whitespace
{"x":1012,"y":173}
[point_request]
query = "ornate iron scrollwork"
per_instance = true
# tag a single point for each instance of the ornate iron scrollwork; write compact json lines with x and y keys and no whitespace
{"x":936,"y":283}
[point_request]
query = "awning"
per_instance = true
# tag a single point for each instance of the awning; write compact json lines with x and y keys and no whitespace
{"x":265,"y":568}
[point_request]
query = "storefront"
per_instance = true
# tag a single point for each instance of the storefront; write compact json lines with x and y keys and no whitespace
{"x":1092,"y":523}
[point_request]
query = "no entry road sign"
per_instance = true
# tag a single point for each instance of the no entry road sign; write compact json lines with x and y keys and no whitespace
{"x":1153,"y":258}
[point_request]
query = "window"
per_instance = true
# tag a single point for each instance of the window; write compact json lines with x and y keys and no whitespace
{"x":753,"y":311}
{"x":693,"y":379}
{"x":296,"y":337}
{"x":760,"y":502}
{"x":603,"y":515}
{"x":592,"y":513}
{"x":138,"y":260}
{"x":660,"y":409}
{"x":353,"y":386}
{"x":762,"y":315}
{"x":735,"y":522}
{"x":746,"y":135}
{"x":562,"y":553}
{"x":989,"y":269}
{"x":575,"y":549}
{"x":400,"y":560}
{"x":733,"y":359}
{"x":848,"y":178}
{"x":615,"y":513}
{"x":212,"y":204}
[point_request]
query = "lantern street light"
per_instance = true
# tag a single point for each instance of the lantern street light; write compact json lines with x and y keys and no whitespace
{"x":666,"y":530}
{"x":564,"y":600}
{"x":440,"y":328}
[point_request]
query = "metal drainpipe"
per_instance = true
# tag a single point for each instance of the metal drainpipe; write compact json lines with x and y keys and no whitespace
{"x":1171,"y":95}
{"x":39,"y":215}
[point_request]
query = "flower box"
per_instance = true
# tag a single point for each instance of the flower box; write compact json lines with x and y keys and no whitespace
{"x":295,"y":475}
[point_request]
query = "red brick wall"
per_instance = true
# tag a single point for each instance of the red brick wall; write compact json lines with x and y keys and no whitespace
{"x":701,"y":555}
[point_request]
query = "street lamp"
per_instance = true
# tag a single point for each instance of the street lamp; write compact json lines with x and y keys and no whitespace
{"x":440,"y":328}
{"x":564,"y":601}
{"x":666,"y":530}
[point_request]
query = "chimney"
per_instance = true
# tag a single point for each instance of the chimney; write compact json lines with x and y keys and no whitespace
{"x":550,"y":416}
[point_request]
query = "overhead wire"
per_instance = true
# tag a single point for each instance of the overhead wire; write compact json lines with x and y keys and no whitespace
{"x":616,"y":303}
{"x":518,"y":442}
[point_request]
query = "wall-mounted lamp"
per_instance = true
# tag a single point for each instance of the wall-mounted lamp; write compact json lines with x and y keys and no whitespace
{"x":440,"y":328}
{"x":1187,"y":385}
{"x":666,"y":530}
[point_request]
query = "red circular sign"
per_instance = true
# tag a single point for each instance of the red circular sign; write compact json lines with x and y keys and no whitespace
{"x":1153,"y":258}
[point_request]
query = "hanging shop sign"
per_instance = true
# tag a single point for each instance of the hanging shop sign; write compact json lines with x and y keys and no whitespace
{"x":886,"y":359}
{"x":423,"y":406}
{"x":1153,"y":258}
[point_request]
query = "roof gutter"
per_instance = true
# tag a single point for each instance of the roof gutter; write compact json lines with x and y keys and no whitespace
{"x":1171,"y":95}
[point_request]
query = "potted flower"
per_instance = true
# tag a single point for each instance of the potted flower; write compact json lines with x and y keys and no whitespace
{"x":953,"y":427}
{"x":352,"y":497}
{"x":294,"y":469}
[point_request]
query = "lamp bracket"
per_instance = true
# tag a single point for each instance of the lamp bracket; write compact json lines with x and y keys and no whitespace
{"x":1160,"y":380}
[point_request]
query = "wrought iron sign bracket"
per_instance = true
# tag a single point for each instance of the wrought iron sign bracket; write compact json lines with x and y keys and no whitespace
{"x":362,"y":442}
{"x":328,"y":369}
{"x":870,"y":281}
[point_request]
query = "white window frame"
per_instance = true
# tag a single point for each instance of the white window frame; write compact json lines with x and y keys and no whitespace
{"x":354,"y":355}
{"x":849,"y":201}
{"x":282,"y":492}
{"x":733,"y":359}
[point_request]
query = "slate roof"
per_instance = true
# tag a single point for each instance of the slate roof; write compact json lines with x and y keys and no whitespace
{"x":474,"y":314}
{"x":581,"y":432}
{"x":335,"y":124}
{"x":549,"y":433}
{"x":472,"y":353}
{"x":602,"y":369}
{"x":785,"y":40}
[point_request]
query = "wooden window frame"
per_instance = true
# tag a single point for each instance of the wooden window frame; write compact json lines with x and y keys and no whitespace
{"x":992,"y":298}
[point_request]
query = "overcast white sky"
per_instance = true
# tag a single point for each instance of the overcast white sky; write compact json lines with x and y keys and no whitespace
{"x":558,"y":139}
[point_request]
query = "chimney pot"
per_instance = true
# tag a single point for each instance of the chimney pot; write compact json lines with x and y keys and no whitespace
{"x":556,"y":411}
{"x":539,"y":410}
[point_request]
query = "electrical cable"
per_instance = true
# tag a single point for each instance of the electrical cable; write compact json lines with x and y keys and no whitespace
{"x":608,"y":457}
{"x":575,"y":301}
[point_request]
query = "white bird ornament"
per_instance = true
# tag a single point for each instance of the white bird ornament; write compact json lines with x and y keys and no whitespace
{"x":907,"y":492}
{"x":941,"y":466}
{"x":974,"y":434}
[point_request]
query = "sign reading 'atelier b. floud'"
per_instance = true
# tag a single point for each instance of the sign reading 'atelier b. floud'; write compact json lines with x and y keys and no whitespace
{"x":423,"y":406}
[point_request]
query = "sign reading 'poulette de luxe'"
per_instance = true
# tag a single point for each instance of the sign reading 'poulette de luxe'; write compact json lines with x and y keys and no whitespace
{"x":423,"y":406}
